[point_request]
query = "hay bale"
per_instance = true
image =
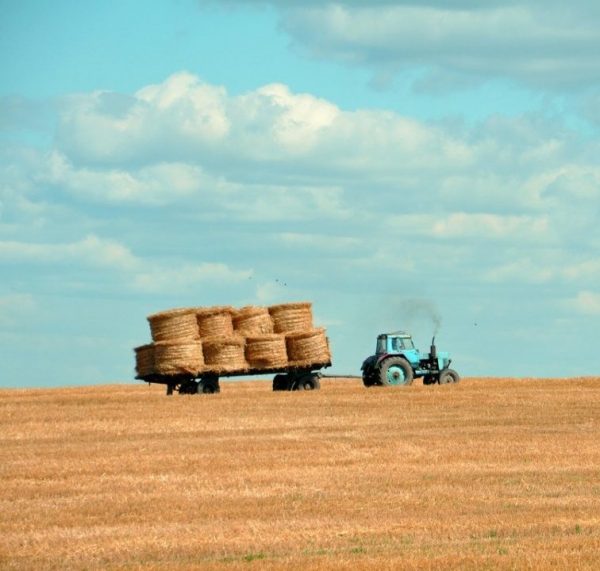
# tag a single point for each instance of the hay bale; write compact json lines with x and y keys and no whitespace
{"x":291,"y":317}
{"x":214,"y":321}
{"x":252,"y":320}
{"x":144,"y":360}
{"x":225,"y":353}
{"x":266,"y":351}
{"x":174,"y":324}
{"x":180,"y":357}
{"x":307,"y":347}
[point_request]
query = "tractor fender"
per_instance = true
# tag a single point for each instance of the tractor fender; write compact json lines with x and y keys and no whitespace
{"x":385,"y":356}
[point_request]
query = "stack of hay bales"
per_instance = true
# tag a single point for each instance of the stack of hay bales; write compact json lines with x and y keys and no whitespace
{"x":177,"y":346}
{"x":225,"y":340}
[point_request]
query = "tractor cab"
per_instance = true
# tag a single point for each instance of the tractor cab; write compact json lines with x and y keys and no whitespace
{"x":397,"y":343}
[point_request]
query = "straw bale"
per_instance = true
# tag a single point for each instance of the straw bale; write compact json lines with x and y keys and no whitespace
{"x":308,"y":347}
{"x":174,"y":324}
{"x":214,"y":321}
{"x":144,"y":360}
{"x":178,"y":357}
{"x":266,"y":351}
{"x":252,"y":320}
{"x":291,"y":317}
{"x":225,"y":353}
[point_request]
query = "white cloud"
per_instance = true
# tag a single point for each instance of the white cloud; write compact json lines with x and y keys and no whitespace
{"x":538,"y":43}
{"x":467,"y":225}
{"x":153,"y":184}
{"x":14,"y":306}
{"x":173,"y":279}
{"x":136,"y":273}
{"x":90,"y":251}
{"x":586,"y":302}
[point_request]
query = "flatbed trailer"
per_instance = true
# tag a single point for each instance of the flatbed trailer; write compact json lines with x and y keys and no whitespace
{"x":291,"y":378}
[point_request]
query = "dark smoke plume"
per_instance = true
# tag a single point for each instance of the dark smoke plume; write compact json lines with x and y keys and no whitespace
{"x":417,"y":310}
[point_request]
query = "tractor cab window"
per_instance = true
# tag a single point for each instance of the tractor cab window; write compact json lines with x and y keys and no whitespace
{"x":381,"y":346}
{"x":407,"y":343}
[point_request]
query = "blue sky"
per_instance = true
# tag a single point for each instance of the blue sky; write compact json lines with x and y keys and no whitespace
{"x":395,"y":163}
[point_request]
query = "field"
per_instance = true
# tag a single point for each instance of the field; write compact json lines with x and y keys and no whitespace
{"x":487,"y":474}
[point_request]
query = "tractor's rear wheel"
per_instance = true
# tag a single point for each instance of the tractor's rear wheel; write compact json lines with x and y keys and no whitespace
{"x":395,"y":371}
{"x":449,"y":376}
{"x":369,"y":378}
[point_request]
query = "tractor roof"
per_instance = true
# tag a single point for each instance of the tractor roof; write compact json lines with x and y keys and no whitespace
{"x":399,"y":333}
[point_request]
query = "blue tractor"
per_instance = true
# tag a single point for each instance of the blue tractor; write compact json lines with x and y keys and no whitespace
{"x":398,"y":362}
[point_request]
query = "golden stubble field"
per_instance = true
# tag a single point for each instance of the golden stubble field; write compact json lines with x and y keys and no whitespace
{"x":488,"y":474}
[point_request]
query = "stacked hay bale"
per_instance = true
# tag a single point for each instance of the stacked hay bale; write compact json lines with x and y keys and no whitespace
{"x":144,"y":360}
{"x":224,"y":340}
{"x":305,"y":345}
{"x":177,"y":346}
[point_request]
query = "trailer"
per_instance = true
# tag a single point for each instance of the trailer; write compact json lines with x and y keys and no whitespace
{"x":290,"y":378}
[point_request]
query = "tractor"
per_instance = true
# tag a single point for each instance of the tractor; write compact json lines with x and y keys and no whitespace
{"x":397,"y":362}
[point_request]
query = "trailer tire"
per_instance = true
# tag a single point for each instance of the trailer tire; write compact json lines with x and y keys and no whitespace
{"x":281,"y":382}
{"x":188,"y":387}
{"x":395,"y":371}
{"x":309,"y":382}
{"x":449,"y":376}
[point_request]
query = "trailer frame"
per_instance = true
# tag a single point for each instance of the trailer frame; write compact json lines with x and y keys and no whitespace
{"x":290,"y":378}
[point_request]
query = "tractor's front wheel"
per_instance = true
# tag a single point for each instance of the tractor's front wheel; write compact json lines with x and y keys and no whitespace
{"x":395,"y":371}
{"x":449,"y":376}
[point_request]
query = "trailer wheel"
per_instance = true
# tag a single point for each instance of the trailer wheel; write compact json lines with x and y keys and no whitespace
{"x":449,"y":376}
{"x":209,"y":385}
{"x":188,"y":387}
{"x":309,"y":382}
{"x":395,"y":371}
{"x":281,"y":383}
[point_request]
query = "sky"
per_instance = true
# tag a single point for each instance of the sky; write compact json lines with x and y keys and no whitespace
{"x":430,"y":166}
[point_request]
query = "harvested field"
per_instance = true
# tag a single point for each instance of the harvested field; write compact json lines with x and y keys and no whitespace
{"x":487,"y":474}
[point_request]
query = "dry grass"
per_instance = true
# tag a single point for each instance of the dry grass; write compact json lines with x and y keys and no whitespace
{"x":489,"y":474}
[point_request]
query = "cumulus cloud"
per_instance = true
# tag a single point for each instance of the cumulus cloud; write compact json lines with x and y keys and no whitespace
{"x":134,"y":272}
{"x":514,"y":192}
{"x":540,"y":44}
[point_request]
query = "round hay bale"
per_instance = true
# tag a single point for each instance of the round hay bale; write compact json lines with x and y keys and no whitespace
{"x":291,"y":317}
{"x":181,"y":357}
{"x":174,"y":324}
{"x":225,"y":353}
{"x":266,"y":351}
{"x":307,"y":347}
{"x":214,"y":321}
{"x":144,"y":360}
{"x":252,"y":320}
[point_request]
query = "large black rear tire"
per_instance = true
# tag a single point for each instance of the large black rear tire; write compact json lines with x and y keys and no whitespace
{"x":395,"y":371}
{"x":369,"y":378}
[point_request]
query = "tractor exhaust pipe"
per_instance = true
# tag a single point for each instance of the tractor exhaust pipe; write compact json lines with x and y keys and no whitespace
{"x":433,"y":351}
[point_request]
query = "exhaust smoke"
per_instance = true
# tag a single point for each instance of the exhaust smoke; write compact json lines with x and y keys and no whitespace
{"x":419,"y":310}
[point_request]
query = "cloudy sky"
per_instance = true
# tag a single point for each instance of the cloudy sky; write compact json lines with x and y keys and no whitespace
{"x":402,"y":164}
